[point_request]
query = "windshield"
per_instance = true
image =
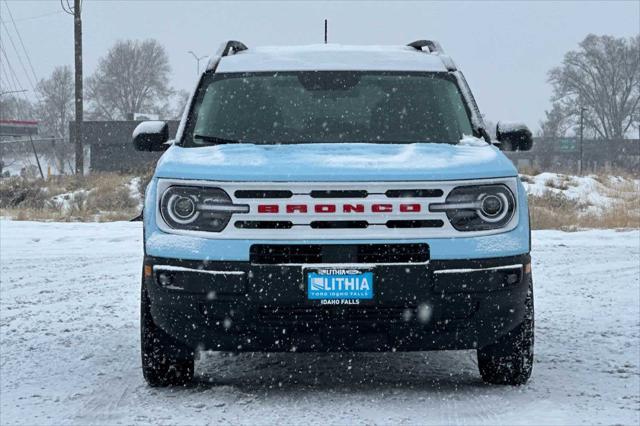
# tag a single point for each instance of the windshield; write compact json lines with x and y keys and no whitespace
{"x":327,"y":107}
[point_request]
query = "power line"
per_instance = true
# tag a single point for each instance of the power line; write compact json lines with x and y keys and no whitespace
{"x":12,"y":73}
{"x":15,"y":85}
{"x":28,"y":18}
{"x":15,"y":49}
{"x":21,"y":42}
{"x":68,"y":8}
{"x":6,"y":81}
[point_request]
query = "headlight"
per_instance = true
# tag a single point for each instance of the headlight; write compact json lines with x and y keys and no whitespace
{"x":198,"y":208}
{"x":478,"y":208}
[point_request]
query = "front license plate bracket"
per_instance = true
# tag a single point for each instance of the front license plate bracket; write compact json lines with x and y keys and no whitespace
{"x":340,"y":285}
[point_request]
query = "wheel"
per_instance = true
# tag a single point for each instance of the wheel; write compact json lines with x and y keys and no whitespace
{"x":510,"y":360}
{"x":165,"y":362}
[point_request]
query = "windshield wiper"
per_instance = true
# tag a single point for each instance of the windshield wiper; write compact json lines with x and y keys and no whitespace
{"x":215,"y":139}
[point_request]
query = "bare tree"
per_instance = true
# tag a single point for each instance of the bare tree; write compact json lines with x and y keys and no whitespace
{"x":133,"y":77}
{"x":181,"y":99}
{"x":602,"y":76}
{"x":15,"y":108}
{"x":556,"y":122}
{"x":55,"y":110}
{"x":55,"y":102}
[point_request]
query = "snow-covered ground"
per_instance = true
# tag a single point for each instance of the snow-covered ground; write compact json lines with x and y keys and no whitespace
{"x":69,"y":347}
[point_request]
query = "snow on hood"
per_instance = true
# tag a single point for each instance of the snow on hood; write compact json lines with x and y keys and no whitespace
{"x":471,"y":159}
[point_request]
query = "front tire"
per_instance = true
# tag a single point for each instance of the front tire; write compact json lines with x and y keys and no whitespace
{"x":510,"y":360}
{"x":165,"y":362}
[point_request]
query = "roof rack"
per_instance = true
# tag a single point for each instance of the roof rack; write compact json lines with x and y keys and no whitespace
{"x":232,"y":47}
{"x":228,"y":48}
{"x":434,"y":48}
{"x":432,"y":45}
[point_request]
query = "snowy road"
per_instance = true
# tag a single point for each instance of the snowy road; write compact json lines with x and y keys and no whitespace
{"x":69,"y":347}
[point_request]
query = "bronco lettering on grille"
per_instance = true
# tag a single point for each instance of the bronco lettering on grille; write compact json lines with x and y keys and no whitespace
{"x":344,"y":208}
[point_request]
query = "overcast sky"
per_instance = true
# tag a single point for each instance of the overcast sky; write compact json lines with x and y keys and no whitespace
{"x":504,"y":48}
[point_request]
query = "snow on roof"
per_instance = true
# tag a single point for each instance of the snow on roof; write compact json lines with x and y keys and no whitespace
{"x":331,"y":57}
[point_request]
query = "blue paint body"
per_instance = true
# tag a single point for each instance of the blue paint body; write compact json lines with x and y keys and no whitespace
{"x":337,"y":163}
{"x":346,"y":162}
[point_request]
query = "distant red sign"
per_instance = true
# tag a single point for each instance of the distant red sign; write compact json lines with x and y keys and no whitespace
{"x":18,"y":127}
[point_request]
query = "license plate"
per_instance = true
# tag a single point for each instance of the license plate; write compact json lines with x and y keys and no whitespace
{"x":339,"y":284}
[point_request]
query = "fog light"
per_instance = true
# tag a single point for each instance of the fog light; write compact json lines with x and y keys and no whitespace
{"x":164,"y":279}
{"x":512,"y":279}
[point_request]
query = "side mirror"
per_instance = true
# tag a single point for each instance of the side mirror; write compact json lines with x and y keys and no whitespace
{"x":514,"y":137}
{"x":151,"y":136}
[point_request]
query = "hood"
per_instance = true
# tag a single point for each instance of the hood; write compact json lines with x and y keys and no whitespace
{"x":336,"y":162}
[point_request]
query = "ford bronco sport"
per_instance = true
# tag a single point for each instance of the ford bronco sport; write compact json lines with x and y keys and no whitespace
{"x":335,"y":198}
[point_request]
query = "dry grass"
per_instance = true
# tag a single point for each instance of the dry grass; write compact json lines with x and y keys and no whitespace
{"x":529,"y":170}
{"x":555,"y":211}
{"x":563,"y":182}
{"x":99,"y":197}
{"x":44,"y":215}
{"x":106,"y":197}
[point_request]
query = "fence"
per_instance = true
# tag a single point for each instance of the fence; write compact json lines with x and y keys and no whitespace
{"x":24,"y":152}
{"x":564,"y":155}
{"x":110,"y":148}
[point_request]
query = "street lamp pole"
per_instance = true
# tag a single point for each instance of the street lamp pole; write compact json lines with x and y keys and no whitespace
{"x":198,"y":59}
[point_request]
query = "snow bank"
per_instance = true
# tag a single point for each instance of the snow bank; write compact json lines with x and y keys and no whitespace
{"x":134,"y":191}
{"x":591,"y":193}
{"x":67,"y":201}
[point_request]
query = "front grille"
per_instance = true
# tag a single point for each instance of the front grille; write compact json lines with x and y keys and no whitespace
{"x":415,"y":224}
{"x":393,"y":253}
{"x":338,"y":211}
{"x":334,"y":211}
{"x":339,"y":224}
{"x":269,"y":254}
{"x":414,"y":193}
{"x":354,"y":193}
{"x":273,"y":254}
{"x":264,"y":224}
{"x":248,"y":194}
{"x":324,"y":315}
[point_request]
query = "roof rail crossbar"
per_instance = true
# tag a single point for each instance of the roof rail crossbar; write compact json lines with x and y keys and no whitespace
{"x":233,"y":47}
{"x":432,"y":45}
{"x":434,"y":48}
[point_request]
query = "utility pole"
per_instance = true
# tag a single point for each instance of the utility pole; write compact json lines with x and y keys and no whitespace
{"x":76,"y":12}
{"x":77,"y":39}
{"x":35,"y":154}
{"x":581,"y":139}
{"x":198,"y":59}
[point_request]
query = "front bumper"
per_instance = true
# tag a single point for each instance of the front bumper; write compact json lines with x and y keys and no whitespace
{"x":243,"y":306}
